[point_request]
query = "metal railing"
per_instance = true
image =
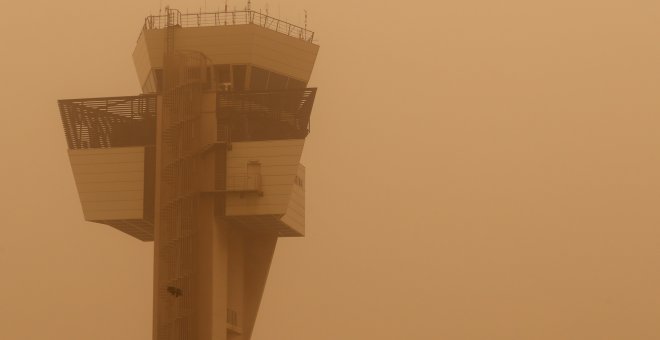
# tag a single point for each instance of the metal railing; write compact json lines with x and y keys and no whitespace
{"x":264,"y":115}
{"x":109,"y":122}
{"x":208,"y":19}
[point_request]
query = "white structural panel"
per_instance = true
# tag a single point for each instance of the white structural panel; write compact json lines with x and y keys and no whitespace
{"x":279,"y":162}
{"x":295,"y":212}
{"x":110,"y":182}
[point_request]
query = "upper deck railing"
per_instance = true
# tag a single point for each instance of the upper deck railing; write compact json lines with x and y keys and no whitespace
{"x":207,"y":19}
{"x":109,"y":122}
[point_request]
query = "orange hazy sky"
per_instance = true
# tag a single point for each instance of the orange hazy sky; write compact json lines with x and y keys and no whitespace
{"x":477,"y":170}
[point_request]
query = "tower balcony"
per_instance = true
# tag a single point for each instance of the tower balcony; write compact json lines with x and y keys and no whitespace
{"x":260,"y":137}
{"x":111,"y":149}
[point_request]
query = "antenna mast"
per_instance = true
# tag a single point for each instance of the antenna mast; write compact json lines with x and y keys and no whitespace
{"x":169,"y":30}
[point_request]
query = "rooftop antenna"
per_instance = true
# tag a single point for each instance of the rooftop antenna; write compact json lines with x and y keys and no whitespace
{"x":249,"y":6}
{"x":266,"y":9}
{"x":305,"y":19}
{"x":225,"y":12}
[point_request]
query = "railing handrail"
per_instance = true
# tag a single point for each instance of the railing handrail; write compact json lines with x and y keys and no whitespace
{"x":230,"y":18}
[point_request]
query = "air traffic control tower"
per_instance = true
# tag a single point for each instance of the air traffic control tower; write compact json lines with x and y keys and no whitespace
{"x":205,"y":162}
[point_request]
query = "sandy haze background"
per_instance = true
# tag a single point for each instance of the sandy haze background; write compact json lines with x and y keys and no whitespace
{"x":477,"y":169}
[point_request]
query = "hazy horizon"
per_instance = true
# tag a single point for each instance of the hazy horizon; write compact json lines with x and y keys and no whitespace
{"x":475,"y":170}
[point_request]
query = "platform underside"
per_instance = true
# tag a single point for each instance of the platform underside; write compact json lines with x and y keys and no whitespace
{"x":141,"y":229}
{"x":264,"y":223}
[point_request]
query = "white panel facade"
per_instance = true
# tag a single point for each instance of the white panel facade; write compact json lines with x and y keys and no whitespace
{"x":279,"y":161}
{"x":295,"y":212}
{"x":110,"y":182}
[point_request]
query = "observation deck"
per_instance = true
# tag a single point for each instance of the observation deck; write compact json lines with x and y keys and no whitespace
{"x":254,"y":113}
{"x":242,"y":47}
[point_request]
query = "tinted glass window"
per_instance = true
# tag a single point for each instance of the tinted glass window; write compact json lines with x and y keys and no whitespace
{"x":258,"y":78}
{"x":221,"y":76}
{"x":276,"y":82}
{"x":238,"y":73}
{"x":207,"y":78}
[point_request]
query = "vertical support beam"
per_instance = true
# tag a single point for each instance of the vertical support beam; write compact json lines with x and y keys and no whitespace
{"x":220,"y":270}
{"x":258,"y":250}
{"x":212,"y":262}
{"x":235,"y":283}
{"x":157,"y":217}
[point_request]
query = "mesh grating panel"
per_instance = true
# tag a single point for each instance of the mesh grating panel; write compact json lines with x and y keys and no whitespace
{"x":109,"y":122}
{"x":264,"y":115}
